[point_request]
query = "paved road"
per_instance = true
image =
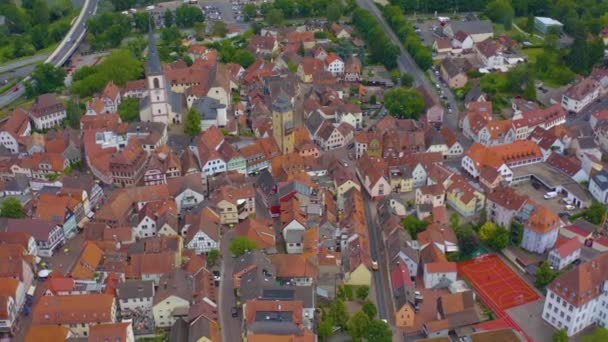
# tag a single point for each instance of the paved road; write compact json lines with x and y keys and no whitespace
{"x":231,"y":327}
{"x":407,"y":65}
{"x":63,"y":51}
{"x":383,"y":299}
{"x":21,"y":63}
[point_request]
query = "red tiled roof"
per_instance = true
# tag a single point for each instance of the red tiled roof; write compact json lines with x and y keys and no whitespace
{"x":568,"y":247}
{"x":441,"y":267}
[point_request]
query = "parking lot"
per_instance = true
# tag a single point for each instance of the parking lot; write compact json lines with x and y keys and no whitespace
{"x":555,"y":204}
{"x":230,"y":13}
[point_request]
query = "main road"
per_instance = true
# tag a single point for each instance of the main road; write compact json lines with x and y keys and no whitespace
{"x":407,"y":65}
{"x":62,"y":53}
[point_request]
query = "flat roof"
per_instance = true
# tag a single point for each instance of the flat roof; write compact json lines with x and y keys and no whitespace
{"x":548,"y":21}
{"x":551,"y":178}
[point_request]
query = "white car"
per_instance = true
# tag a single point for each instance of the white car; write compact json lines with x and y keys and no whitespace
{"x":569,"y":207}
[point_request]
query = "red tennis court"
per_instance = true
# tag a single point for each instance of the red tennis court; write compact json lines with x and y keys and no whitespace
{"x":495,"y":281}
{"x":498,"y":287}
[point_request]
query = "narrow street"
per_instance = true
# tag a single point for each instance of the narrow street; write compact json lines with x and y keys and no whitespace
{"x":384,"y":301}
{"x":229,"y":325}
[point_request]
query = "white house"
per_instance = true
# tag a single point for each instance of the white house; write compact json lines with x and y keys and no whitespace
{"x":46,"y":112}
{"x":489,"y":54}
{"x":174,"y":294}
{"x":439,"y":274}
{"x":135,"y":295}
{"x":201,"y":232}
{"x":17,"y":125}
{"x":598,"y":186}
{"x":334,"y":64}
{"x":565,"y":254}
{"x":462,"y":41}
{"x":293,"y":234}
{"x":581,"y":94}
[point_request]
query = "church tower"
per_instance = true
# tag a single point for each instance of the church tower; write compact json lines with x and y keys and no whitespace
{"x":157,"y":108}
{"x":282,"y":123}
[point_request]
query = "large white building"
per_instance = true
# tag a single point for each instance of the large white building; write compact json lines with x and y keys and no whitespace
{"x":581,"y":94}
{"x":579,"y":298}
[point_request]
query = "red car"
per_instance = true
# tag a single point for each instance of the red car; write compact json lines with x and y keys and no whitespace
{"x":16,"y":89}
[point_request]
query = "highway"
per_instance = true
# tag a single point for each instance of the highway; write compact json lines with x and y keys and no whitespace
{"x":61,"y":54}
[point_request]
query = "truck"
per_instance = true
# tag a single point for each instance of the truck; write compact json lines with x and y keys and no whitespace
{"x":550,"y":195}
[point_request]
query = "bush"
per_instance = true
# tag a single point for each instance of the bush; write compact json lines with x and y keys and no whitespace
{"x":362,"y":292}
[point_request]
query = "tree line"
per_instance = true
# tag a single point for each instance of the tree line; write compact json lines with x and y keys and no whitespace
{"x":32,"y":26}
{"x":404,"y":30}
{"x":380,"y":47}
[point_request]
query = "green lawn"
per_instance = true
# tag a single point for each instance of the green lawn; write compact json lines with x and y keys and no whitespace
{"x":532,"y":53}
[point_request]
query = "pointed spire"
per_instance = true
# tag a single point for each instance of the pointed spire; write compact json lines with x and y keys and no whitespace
{"x":153,"y":65}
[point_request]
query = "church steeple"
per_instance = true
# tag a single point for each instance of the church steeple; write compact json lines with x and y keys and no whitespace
{"x":153,"y":66}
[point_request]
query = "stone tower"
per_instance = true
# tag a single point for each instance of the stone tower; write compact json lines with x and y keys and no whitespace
{"x":282,"y":123}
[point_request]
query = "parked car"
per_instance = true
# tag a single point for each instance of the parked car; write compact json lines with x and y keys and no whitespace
{"x":564,"y":214}
{"x":550,"y":195}
{"x":374,"y":265}
{"x":234,"y":311}
{"x":569,"y":207}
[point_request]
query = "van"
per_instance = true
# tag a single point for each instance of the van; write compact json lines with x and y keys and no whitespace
{"x":550,"y":195}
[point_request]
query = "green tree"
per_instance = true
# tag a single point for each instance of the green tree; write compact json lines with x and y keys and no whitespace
{"x":345,"y":292}
{"x":500,"y":11}
{"x":467,"y":240}
{"x":244,"y":58}
{"x":487,"y":230}
{"x":46,"y":78}
{"x":192,"y":126}
{"x":40,"y":13}
{"x":595,"y":213}
{"x":170,"y":35}
{"x":560,"y":336}
{"x":372,"y":99}
{"x":74,"y":111}
{"x":362,"y":292}
{"x":454,"y":220}
{"x":357,"y":325}
{"x":369,"y":309}
{"x":517,"y":232}
{"x":333,"y":12}
{"x":325,"y":329}
{"x":407,"y":80}
{"x":122,"y":5}
{"x":404,"y":103}
{"x":186,"y":15}
{"x":220,"y":29}
{"x":40,"y":37}
{"x":378,"y":331}
{"x":12,"y":208}
{"x":128,"y":109}
{"x":240,"y":245}
{"x":274,"y":17}
{"x":338,"y":313}
{"x":249,"y":11}
{"x":530,"y":90}
{"x":413,"y":225}
{"x":598,"y":335}
{"x":168,"y":18}
{"x":544,"y":275}
{"x":213,"y":256}
{"x":499,"y":238}
{"x":142,"y":21}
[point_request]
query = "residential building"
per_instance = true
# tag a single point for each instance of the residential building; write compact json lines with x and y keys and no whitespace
{"x":47,"y":112}
{"x":453,"y":71}
{"x":201,"y":231}
{"x":334,"y":64}
{"x":212,"y":112}
{"x":575,"y":299}
{"x":463,"y":197}
{"x":564,"y":254}
{"x":581,"y":94}
{"x":503,"y":204}
{"x":135,"y":296}
{"x":172,"y":298}
{"x":439,"y":274}
{"x":14,"y":128}
{"x":234,"y":204}
{"x":128,"y":166}
{"x":501,"y":158}
{"x":75,"y":312}
{"x":112,"y":332}
{"x":598,"y":186}
{"x":48,"y":235}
